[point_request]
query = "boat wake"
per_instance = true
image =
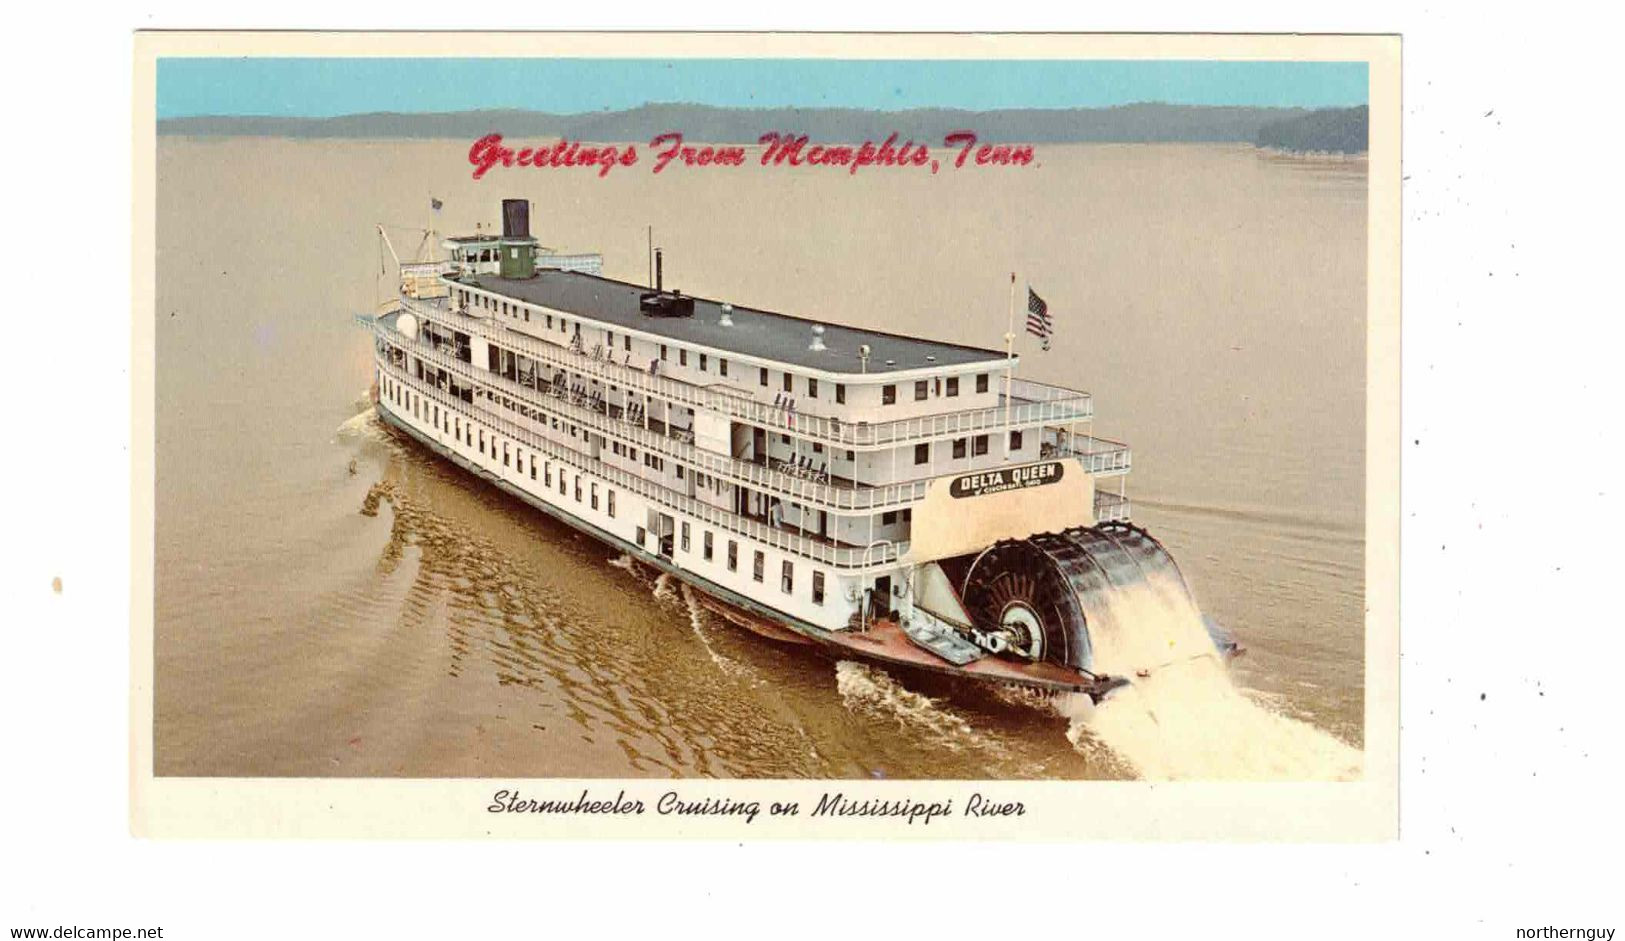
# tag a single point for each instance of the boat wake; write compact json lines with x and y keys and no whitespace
{"x":868,"y":689}
{"x":358,"y":425}
{"x":363,"y":424}
{"x":1185,"y":719}
{"x":697,"y":619}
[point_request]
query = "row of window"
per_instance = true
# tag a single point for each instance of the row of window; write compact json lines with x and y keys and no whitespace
{"x":466,"y":433}
{"x":947,"y":387}
{"x":453,"y":424}
{"x":977,"y":445}
{"x":787,"y":569}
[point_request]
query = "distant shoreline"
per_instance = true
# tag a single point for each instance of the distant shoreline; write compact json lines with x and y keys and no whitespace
{"x":1319,"y":156}
{"x":1135,"y":123}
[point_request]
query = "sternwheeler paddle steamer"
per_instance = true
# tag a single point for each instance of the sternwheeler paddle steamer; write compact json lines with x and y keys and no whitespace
{"x":896,"y":499}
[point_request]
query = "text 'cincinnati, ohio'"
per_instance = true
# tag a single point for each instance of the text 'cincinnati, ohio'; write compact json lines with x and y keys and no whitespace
{"x":775,"y":149}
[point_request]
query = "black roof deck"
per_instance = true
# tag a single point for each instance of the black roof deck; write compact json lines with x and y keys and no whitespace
{"x":758,"y":333}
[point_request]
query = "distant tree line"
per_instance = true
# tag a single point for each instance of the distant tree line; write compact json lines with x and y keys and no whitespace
{"x":1329,"y":130}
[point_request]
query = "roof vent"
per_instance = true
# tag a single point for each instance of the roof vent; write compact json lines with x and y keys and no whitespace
{"x":891,"y":362}
{"x":930,"y":359}
{"x":818,"y":338}
{"x":726,"y":318}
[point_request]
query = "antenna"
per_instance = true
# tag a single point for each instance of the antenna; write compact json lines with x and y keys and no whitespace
{"x":651,"y":256}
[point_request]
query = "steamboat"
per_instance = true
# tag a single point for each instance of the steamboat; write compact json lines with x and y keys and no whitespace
{"x":894,"y":499}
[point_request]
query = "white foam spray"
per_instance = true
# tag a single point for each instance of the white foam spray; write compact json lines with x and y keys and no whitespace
{"x":356,"y":425}
{"x":697,"y":618}
{"x":1185,"y":719}
{"x":663,"y":590}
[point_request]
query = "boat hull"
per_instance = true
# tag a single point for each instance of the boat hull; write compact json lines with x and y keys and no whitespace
{"x":884,"y":642}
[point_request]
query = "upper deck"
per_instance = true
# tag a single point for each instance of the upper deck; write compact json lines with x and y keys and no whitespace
{"x":748,"y":333}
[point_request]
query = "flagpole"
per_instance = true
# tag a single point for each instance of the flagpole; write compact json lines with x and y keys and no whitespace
{"x":1009,"y":362}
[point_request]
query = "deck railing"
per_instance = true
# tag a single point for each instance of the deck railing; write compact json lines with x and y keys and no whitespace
{"x":801,"y":490}
{"x":1110,"y":507}
{"x":845,"y":557}
{"x":1099,"y":456}
{"x":1030,"y":403}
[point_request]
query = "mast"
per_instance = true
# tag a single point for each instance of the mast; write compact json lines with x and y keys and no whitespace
{"x":1009,"y":362}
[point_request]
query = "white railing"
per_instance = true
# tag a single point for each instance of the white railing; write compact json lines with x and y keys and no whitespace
{"x":798,"y":489}
{"x":846,"y":557}
{"x":1031,"y":403}
{"x":586,"y":262}
{"x":1099,"y":456}
{"x":1110,"y":507}
{"x":427,"y":269}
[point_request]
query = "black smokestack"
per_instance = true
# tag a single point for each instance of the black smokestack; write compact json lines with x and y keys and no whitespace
{"x":660,"y":277}
{"x":516,"y":218}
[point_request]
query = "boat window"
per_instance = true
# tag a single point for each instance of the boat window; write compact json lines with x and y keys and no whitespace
{"x":787,"y":577}
{"x":981,"y":382}
{"x":787,"y":380}
{"x":979,"y":445}
{"x":764,"y":376}
{"x":959,"y":448}
{"x":757,"y":565}
{"x":685,"y":535}
{"x":682,"y":357}
{"x":733,"y":556}
{"x":812,"y":388}
{"x":920,"y":391}
{"x":707,"y":545}
{"x":953,"y":386}
{"x":888,"y":395}
{"x":1015,"y":441}
{"x":702,"y":362}
{"x":722,"y":366}
{"x":818,"y":587}
{"x":888,"y":518}
{"x":840,"y":393}
{"x":611,"y":507}
{"x":662,"y":352}
{"x":922,"y":453}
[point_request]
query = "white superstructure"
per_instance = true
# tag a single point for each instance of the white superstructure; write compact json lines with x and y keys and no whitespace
{"x":808,"y":473}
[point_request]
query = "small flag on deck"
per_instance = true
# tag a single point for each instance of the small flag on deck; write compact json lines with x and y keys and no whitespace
{"x":435,"y":204}
{"x":1038,"y":320}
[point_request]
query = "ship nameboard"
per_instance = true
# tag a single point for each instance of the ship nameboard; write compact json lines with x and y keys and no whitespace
{"x":1013,"y":478}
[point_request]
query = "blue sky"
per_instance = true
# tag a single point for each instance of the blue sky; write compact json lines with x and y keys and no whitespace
{"x":327,"y":87}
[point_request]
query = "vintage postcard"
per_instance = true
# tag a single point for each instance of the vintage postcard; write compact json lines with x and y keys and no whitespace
{"x":766,"y":436}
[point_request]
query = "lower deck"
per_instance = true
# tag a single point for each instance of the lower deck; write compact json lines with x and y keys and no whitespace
{"x":881,"y":639}
{"x":764,"y":575}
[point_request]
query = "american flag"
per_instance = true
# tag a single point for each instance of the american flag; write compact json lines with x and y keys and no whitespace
{"x":1038,"y":320}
